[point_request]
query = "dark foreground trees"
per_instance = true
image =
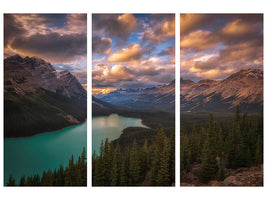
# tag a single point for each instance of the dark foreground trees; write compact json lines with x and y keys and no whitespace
{"x":136,"y":165}
{"x":233,"y":144}
{"x":75,"y":174}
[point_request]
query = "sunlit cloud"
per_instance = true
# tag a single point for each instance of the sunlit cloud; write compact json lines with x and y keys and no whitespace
{"x":216,"y":45}
{"x":132,"y":50}
{"x":57,"y":38}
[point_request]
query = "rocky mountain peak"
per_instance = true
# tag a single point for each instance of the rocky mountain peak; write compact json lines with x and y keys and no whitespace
{"x":42,"y":73}
{"x":249,"y":73}
{"x":15,"y":59}
{"x":244,"y":88}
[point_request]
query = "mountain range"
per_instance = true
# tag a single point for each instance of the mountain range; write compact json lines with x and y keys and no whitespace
{"x":158,"y":97}
{"x":37,"y":98}
{"x":243,"y":88}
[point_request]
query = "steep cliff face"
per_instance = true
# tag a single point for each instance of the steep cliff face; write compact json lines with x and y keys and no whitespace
{"x":45,"y":75}
{"x":70,"y":87}
{"x":36,"y":100}
{"x":244,"y":88}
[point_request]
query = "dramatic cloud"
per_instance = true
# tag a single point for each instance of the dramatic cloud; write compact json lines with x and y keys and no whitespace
{"x":57,"y":38}
{"x":132,"y":51}
{"x":117,"y":26}
{"x":53,"y":47}
{"x":161,"y":31}
{"x":225,"y":45}
{"x":101,"y":45}
{"x":12,"y":29}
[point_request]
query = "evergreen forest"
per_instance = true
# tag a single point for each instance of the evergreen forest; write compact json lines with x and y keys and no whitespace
{"x":137,"y":164}
{"x":217,"y":146}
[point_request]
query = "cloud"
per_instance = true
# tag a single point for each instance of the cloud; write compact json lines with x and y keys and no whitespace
{"x":99,"y":60}
{"x":199,"y":40}
{"x":106,"y":75}
{"x":226,"y":45}
{"x":161,"y":31}
{"x":57,"y":38}
{"x":117,"y":26}
{"x":131,"y":53}
{"x":101,"y":45}
{"x":12,"y":29}
{"x":168,"y":51}
{"x":152,"y":71}
{"x":53,"y":47}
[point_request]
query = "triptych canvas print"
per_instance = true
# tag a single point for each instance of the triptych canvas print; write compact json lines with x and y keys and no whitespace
{"x":133,"y":124}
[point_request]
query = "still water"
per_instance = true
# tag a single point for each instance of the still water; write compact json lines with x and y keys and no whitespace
{"x":110,"y":127}
{"x":32,"y":155}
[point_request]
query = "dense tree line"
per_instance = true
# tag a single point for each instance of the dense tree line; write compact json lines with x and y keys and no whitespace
{"x":136,"y":165}
{"x":230,"y":145}
{"x":75,"y":174}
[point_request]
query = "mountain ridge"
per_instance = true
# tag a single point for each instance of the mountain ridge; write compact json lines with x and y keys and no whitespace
{"x":158,"y":97}
{"x":34,"y":103}
{"x":243,"y":88}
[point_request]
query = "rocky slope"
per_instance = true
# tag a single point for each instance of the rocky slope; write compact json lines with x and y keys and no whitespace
{"x":45,"y":75}
{"x":252,"y":176}
{"x":244,"y":88}
{"x":159,"y":97}
{"x":33,"y":102}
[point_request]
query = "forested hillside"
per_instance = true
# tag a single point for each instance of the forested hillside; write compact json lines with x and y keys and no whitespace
{"x":147,"y":163}
{"x":217,"y":147}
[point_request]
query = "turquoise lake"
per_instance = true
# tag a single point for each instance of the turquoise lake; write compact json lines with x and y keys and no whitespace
{"x":110,"y":127}
{"x":32,"y":155}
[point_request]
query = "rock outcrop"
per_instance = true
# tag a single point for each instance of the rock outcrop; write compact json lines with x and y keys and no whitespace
{"x":252,"y":176}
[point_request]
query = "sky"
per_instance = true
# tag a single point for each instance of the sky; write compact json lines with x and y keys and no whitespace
{"x":132,"y":51}
{"x":214,"y":46}
{"x":60,"y":39}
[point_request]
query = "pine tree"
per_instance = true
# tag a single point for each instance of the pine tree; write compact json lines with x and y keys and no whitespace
{"x":11,"y":181}
{"x":209,"y":165}
{"x":134,"y":166}
{"x":22,"y":181}
{"x":172,"y":157}
{"x":123,"y":176}
{"x":157,"y":150}
{"x":164,"y":171}
{"x":259,"y":152}
{"x":100,"y":168}
{"x":116,"y":164}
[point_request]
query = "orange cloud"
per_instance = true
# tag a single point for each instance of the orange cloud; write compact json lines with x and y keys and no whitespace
{"x":237,"y":27}
{"x":131,"y":53}
{"x":98,"y":91}
{"x":128,"y":21}
{"x":99,"y":60}
{"x":199,"y":40}
{"x":160,"y":32}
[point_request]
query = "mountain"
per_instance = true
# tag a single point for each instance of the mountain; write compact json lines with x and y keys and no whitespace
{"x":38,"y":99}
{"x":48,"y":78}
{"x":159,"y":97}
{"x":243,"y":88}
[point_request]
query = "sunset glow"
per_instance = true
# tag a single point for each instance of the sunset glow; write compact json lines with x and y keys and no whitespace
{"x":132,"y":51}
{"x":213,"y":46}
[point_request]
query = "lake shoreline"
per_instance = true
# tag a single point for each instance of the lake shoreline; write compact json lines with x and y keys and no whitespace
{"x":126,"y":116}
{"x":46,"y":131}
